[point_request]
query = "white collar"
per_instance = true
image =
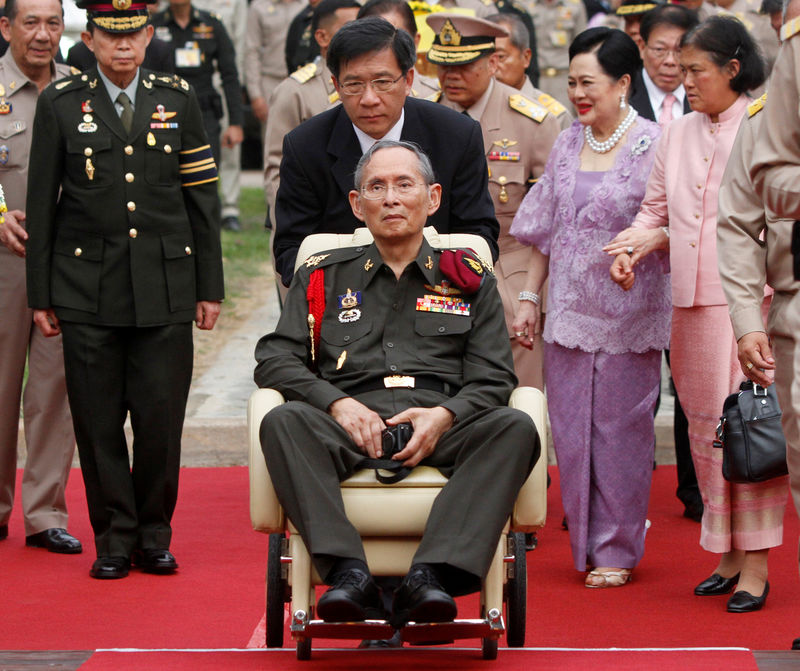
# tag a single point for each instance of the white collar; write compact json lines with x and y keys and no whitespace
{"x":656,"y":95}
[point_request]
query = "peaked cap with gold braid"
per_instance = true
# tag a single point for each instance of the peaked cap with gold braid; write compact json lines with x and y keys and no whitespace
{"x":115,"y":16}
{"x":461,"y":39}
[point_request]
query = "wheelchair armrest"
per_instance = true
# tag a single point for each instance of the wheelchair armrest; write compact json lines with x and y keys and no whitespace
{"x":266,"y":513}
{"x":530,"y":509}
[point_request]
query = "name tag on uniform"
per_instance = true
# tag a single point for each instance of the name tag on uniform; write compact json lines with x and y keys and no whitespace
{"x":444,"y":304}
{"x":187,"y":57}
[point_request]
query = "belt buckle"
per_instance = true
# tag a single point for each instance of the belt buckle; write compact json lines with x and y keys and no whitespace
{"x":398,"y":382}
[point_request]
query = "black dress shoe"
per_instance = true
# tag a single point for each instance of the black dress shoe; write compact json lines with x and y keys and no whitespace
{"x":353,"y":597}
{"x":796,"y":644}
{"x":231,"y":223}
{"x":3,"y":532}
{"x":694,"y":512}
{"x":150,"y":560}
{"x":744,"y":602}
{"x":421,"y":598}
{"x":55,"y":540}
{"x":109,"y":568}
{"x":715,"y":585}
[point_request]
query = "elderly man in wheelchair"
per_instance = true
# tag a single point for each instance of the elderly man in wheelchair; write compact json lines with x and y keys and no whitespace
{"x":395,"y":354}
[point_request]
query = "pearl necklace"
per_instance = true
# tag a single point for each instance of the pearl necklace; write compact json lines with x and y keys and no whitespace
{"x":610,"y":143}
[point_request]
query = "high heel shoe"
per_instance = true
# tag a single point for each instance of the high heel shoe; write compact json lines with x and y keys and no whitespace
{"x":744,"y":602}
{"x":715,"y":585}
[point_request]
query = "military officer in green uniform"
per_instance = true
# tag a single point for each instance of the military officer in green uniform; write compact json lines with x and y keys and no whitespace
{"x":380,"y":335}
{"x":123,"y":254}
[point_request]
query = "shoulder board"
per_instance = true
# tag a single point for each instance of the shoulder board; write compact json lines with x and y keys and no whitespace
{"x":330,"y":257}
{"x":169,"y":81}
{"x":435,"y":97}
{"x":756,"y":106}
{"x":73,"y":70}
{"x":528,"y":108}
{"x":70,"y":83}
{"x":304,"y":73}
{"x":553,"y":106}
{"x":488,"y":3}
{"x":790,"y":28}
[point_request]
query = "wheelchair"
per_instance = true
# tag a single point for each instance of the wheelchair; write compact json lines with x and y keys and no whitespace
{"x":390,"y":540}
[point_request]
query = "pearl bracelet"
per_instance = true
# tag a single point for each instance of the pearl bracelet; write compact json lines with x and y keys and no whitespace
{"x":529,"y":296}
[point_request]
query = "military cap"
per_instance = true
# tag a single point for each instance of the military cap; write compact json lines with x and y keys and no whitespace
{"x":461,"y":39}
{"x":115,"y":16}
{"x":631,"y":8}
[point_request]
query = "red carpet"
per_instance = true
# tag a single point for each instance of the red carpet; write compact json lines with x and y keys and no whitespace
{"x":216,"y":599}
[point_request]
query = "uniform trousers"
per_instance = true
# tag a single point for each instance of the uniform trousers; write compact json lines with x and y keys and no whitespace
{"x":49,"y":439}
{"x":230,"y":166}
{"x":487,"y":458}
{"x":112,"y":371}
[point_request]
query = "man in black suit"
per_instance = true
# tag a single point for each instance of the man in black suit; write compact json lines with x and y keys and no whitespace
{"x":657,"y":92}
{"x":372,"y":63}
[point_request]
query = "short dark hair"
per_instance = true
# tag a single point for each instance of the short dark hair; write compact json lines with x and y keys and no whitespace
{"x":372,"y":33}
{"x":771,"y":6}
{"x":724,"y":38}
{"x":616,"y":52}
{"x":518,"y":33}
{"x":667,"y":15}
{"x":11,"y":9}
{"x":327,"y":8}
{"x":381,"y":7}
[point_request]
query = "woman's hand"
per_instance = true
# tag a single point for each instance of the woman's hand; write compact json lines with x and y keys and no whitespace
{"x":527,"y":323}
{"x":622,"y":271}
{"x":637,"y":242}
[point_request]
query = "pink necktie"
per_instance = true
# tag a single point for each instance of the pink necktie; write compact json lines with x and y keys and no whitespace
{"x":666,"y":110}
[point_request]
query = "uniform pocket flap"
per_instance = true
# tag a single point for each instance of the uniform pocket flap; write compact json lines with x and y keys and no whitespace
{"x":439,"y":324}
{"x":95,"y":144}
{"x":8,"y":130}
{"x":83,"y":246}
{"x":177,"y":245}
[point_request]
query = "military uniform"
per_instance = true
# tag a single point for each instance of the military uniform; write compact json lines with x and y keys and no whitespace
{"x":557,"y":23}
{"x":775,"y":171}
{"x":375,"y":330}
{"x":513,"y":8}
{"x":482,"y":8}
{"x":199,"y":49}
{"x":301,"y":47}
{"x":124,"y":241}
{"x":49,"y":437}
{"x":552,"y":105}
{"x":758,"y":25}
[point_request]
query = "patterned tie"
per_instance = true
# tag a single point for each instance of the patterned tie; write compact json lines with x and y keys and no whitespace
{"x":666,"y":110}
{"x":127,"y":111}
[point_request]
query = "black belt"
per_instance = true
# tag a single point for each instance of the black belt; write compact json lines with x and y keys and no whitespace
{"x":406,"y":382}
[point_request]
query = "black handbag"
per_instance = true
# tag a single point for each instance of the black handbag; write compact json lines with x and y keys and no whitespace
{"x":750,"y":435}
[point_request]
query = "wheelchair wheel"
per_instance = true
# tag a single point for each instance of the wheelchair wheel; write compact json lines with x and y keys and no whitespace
{"x":516,"y":593}
{"x":277,"y":589}
{"x":489,"y":648}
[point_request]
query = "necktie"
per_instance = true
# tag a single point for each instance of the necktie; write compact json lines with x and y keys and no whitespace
{"x":666,"y":110}
{"x":127,"y":111}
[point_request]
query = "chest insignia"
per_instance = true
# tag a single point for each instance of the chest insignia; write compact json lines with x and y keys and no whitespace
{"x":505,"y":143}
{"x":315,"y":260}
{"x":18,"y":126}
{"x":5,"y":107}
{"x":429,"y":263}
{"x":86,"y":107}
{"x":368,"y":265}
{"x":93,"y":84}
{"x":349,"y":316}
{"x":61,"y":85}
{"x":87,"y":127}
{"x":349,"y":300}
{"x":444,"y":289}
{"x":151,"y":140}
{"x":2,"y":91}
{"x":503,"y":156}
{"x":162,"y":114}
{"x":3,"y":154}
{"x":444,"y":304}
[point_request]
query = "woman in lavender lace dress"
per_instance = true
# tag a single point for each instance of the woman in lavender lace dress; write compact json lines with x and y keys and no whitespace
{"x":602,"y":351}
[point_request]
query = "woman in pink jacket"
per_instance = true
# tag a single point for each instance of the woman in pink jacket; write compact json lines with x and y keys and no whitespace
{"x":720,"y":62}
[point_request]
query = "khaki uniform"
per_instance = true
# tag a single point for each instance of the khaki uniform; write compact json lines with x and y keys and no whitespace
{"x":517,"y":136}
{"x":557,"y":23}
{"x":757,"y":24}
{"x":482,"y":8}
{"x":775,"y":171}
{"x":559,"y":111}
{"x":48,"y":426}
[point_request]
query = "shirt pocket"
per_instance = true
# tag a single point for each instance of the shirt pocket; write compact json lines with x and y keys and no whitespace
{"x":441,"y":336}
{"x":14,"y":144}
{"x":89,"y":161}
{"x":179,"y":269}
{"x":162,"y":158}
{"x":337,"y":338}
{"x":508,"y":185}
{"x":77,"y":267}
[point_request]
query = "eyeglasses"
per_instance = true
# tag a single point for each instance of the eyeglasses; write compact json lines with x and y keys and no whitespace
{"x":660,"y":53}
{"x":381,"y":85}
{"x":378,"y":190}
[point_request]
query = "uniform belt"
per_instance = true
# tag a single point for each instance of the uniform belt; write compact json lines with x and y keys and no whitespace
{"x":554,"y":72}
{"x":406,"y":382}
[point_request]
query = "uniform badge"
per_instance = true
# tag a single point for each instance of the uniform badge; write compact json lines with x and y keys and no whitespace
{"x":349,"y":300}
{"x":504,"y":156}
{"x":18,"y":126}
{"x":147,"y":84}
{"x":368,"y":265}
{"x":341,"y":360}
{"x":505,"y":143}
{"x":86,"y":107}
{"x":88,"y":118}
{"x":3,"y":154}
{"x":93,"y":84}
{"x":350,"y":316}
{"x":503,"y":195}
{"x":89,"y":169}
{"x":162,"y":114}
{"x":429,"y":263}
{"x":312,"y":261}
{"x":5,"y":107}
{"x":444,"y":289}
{"x":121,"y":5}
{"x":87,"y":127}
{"x":443,"y":304}
{"x":151,"y":140}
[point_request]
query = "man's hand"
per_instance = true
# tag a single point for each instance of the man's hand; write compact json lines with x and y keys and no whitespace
{"x":755,"y":357}
{"x":363,"y":425}
{"x":47,"y":322}
{"x":206,"y":314}
{"x":12,"y":233}
{"x":260,"y":109}
{"x":233,"y":136}
{"x":429,"y":425}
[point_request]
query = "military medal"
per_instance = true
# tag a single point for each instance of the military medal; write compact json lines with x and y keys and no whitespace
{"x":505,"y":143}
{"x":86,"y":107}
{"x":349,"y":316}
{"x":443,"y":304}
{"x":88,"y":118}
{"x":503,"y":195}
{"x":163,"y":116}
{"x":504,"y":156}
{"x":3,"y":154}
{"x":87,"y":127}
{"x":5,"y":107}
{"x":89,"y":169}
{"x":349,"y":300}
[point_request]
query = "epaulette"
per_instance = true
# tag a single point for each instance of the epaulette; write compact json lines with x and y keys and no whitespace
{"x":756,"y":106}
{"x":435,"y":97}
{"x":331,"y":256}
{"x":73,"y":70}
{"x":488,"y":3}
{"x":519,"y":103}
{"x":304,"y":73}
{"x":170,"y":81}
{"x":553,"y":106}
{"x":71,"y":83}
{"x":790,"y":28}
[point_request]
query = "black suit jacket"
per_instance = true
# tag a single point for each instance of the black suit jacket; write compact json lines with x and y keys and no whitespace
{"x":320,"y":157}
{"x":640,"y":101}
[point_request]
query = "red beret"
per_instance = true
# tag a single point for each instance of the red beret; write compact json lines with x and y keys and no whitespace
{"x":463,"y":269}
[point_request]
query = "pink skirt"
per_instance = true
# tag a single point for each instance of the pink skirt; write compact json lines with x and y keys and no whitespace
{"x":706,"y":370}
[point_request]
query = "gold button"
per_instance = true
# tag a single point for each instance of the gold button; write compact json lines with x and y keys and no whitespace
{"x":188,"y":251}
{"x":502,"y":179}
{"x":87,"y":151}
{"x":705,"y":158}
{"x":699,"y":186}
{"x":133,"y":233}
{"x":78,"y":251}
{"x":129,"y":177}
{"x":128,"y":150}
{"x":692,"y":244}
{"x":697,"y":216}
{"x":131,"y":206}
{"x":167,"y":149}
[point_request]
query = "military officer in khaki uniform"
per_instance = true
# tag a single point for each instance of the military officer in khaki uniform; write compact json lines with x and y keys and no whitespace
{"x":49,"y":437}
{"x":775,"y":171}
{"x":758,"y":24}
{"x":123,"y":254}
{"x":518,"y":134}
{"x":557,"y":22}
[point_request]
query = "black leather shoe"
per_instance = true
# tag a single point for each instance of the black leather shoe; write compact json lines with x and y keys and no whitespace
{"x":55,"y":540}
{"x":694,"y":512}
{"x":3,"y":532}
{"x":109,"y":568}
{"x":354,"y":596}
{"x":421,"y":598}
{"x":231,"y":223}
{"x":149,"y":560}
{"x":796,"y":644}
{"x":715,"y":585}
{"x":744,"y":602}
